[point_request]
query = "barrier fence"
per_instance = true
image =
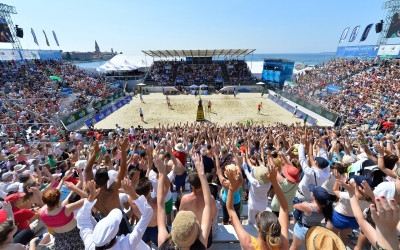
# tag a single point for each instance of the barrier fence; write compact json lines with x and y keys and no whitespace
{"x":312,"y":107}
{"x":95,"y":119}
{"x":84,"y":112}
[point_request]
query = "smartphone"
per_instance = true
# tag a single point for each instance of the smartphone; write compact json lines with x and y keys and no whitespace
{"x":39,"y":240}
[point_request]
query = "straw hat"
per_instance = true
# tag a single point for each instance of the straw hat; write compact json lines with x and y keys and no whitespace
{"x":185,"y":229}
{"x":319,"y":237}
{"x":259,"y":174}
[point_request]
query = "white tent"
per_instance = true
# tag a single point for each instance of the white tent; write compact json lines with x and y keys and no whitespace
{"x":140,"y":64}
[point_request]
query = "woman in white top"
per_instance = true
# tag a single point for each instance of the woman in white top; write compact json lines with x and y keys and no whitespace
{"x":260,"y":185}
{"x":343,"y":220}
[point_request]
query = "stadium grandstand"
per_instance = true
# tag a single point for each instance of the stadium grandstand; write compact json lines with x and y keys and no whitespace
{"x":210,"y":67}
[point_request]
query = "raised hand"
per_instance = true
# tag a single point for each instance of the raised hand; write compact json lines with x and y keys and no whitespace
{"x":234,"y":178}
{"x":96,"y":147}
{"x":127,"y":187}
{"x":6,"y":206}
{"x":159,"y":164}
{"x":124,"y":145}
{"x":272,"y":172}
{"x":93,"y":192}
{"x":198,"y":163}
{"x":386,"y":214}
{"x":380,"y":149}
{"x":70,"y":186}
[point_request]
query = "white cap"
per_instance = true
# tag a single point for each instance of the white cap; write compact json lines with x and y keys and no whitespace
{"x":112,"y":175}
{"x":13,"y":187}
{"x":107,"y":228}
{"x":387,"y":189}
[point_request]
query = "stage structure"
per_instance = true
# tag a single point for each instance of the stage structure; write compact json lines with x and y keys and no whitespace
{"x":393,"y":7}
{"x":277,"y":71}
{"x":5,"y":11}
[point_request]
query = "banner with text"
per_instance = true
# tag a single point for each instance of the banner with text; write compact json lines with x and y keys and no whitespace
{"x":391,"y":50}
{"x":30,"y":54}
{"x":312,"y":107}
{"x":97,"y":118}
{"x":344,"y":34}
{"x":8,"y":55}
{"x":84,"y":112}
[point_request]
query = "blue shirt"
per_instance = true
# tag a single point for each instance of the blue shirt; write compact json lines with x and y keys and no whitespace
{"x":236,"y":196}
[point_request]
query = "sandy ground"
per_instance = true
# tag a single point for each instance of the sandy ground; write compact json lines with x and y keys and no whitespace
{"x":225,"y":109}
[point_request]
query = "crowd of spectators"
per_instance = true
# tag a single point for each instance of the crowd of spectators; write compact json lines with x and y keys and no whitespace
{"x":238,"y":71}
{"x":97,"y":194}
{"x":368,"y":90}
{"x":167,"y":72}
{"x":31,"y":99}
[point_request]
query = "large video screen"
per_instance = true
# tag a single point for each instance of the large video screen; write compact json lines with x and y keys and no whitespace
{"x":394,"y":28}
{"x":5,"y":33}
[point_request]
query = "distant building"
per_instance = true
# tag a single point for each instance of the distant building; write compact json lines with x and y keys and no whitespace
{"x":96,"y":55}
{"x":81,"y":56}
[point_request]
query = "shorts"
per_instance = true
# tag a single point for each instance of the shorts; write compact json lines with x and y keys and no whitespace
{"x":180,"y":181}
{"x":168,"y":206}
{"x":141,"y":115}
{"x":209,"y":240}
{"x":151,"y":235}
{"x":259,"y":109}
{"x":343,"y":222}
{"x":300,"y":231}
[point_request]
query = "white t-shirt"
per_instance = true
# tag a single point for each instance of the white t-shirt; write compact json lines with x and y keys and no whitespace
{"x":343,"y":207}
{"x":154,"y":182}
{"x":132,"y":130}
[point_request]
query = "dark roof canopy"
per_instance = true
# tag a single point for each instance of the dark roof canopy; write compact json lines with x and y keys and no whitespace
{"x":198,"y":53}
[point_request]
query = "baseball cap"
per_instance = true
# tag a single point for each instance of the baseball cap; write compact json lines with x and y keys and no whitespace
{"x":360,"y":178}
{"x":320,"y":194}
{"x":322,"y":162}
{"x":14,"y":197}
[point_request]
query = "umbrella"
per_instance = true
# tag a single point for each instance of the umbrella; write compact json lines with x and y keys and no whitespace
{"x":171,"y":89}
{"x":226,"y":88}
{"x":291,"y":84}
{"x":260,"y":83}
{"x":55,"y":78}
{"x":141,"y":84}
{"x":203,"y":86}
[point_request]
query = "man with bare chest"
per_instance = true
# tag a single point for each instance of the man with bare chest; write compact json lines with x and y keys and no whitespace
{"x":108,"y":198}
{"x":195,"y":202}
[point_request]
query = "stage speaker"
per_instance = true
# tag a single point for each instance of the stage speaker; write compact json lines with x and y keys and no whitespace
{"x":378,"y":27}
{"x":19,"y":31}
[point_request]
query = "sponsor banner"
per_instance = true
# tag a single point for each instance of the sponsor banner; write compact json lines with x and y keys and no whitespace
{"x":34,"y":37}
{"x":97,"y":118}
{"x":354,"y":51}
{"x":334,"y":89}
{"x":366,"y":32}
{"x":344,"y":34}
{"x":312,"y":107}
{"x":47,"y":40}
{"x":289,"y":108}
{"x":55,"y":38}
{"x":74,"y":117}
{"x":66,"y":92}
{"x":8,"y":55}
{"x":392,"y":50}
{"x":30,"y":54}
{"x":50,"y":54}
{"x":354,"y":34}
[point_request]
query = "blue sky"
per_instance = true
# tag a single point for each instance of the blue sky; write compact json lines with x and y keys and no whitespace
{"x":284,"y":26}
